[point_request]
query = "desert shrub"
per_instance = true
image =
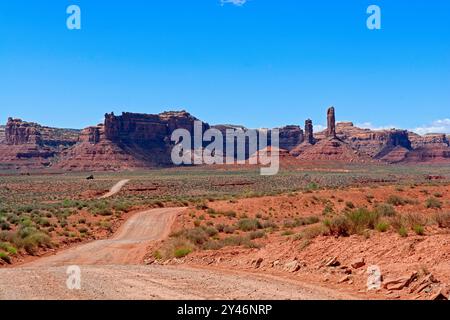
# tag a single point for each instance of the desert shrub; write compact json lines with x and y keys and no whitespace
{"x":313,"y":231}
{"x":438,"y":195}
{"x":382,"y":226}
{"x":5,"y":257}
{"x":228,"y":213}
{"x":83,"y":230}
{"x":175,"y":247}
{"x":339,"y":226}
{"x":399,"y":201}
{"x":419,"y":229}
{"x":249,"y":224}
{"x":157,"y":255}
{"x":385,"y":210}
{"x":413,"y":219}
{"x":395,"y":200}
{"x":220,"y":227}
{"x":433,"y":203}
{"x":328,"y":210}
{"x":304,"y":221}
{"x":403,"y":232}
{"x":256,"y":234}
{"x":362,"y":219}
{"x":197,"y":236}
{"x":211,"y":231}
{"x":35,"y":240}
{"x":269,"y":224}
{"x":5,"y":226}
{"x":182,"y":252}
{"x":44,"y":222}
{"x":122,"y":206}
{"x":287,"y":233}
{"x":442,"y":219}
{"x":398,"y":222}
{"x":8,"y":248}
{"x":229,"y":229}
{"x":201,"y":205}
{"x":13,"y":218}
{"x":312,"y":186}
{"x":349,"y":205}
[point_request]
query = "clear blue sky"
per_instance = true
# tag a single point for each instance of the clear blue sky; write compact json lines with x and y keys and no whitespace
{"x":262,"y":64}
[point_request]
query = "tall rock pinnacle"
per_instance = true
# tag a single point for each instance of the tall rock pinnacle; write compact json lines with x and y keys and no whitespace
{"x":331,"y":121}
{"x":309,"y":132}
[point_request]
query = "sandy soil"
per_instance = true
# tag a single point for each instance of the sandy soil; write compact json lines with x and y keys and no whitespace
{"x":115,"y":189}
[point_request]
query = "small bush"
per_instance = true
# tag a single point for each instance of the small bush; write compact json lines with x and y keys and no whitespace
{"x":312,"y":186}
{"x":5,"y":257}
{"x":249,"y":224}
{"x":349,"y":205}
{"x":382,"y":226}
{"x":419,"y":229}
{"x":442,"y":219}
{"x":5,"y":226}
{"x":314,"y":231}
{"x":362,"y":219}
{"x":197,"y":235}
{"x":413,"y":219}
{"x":157,"y":255}
{"x":385,"y":210}
{"x":395,"y":200}
{"x":211,"y":231}
{"x":433,"y":203}
{"x":256,"y":234}
{"x":230,"y":214}
{"x":229,"y":229}
{"x":403,"y":232}
{"x":328,"y":210}
{"x":122,"y":207}
{"x":339,"y":226}
{"x":269,"y":225}
{"x":182,"y":252}
{"x":83,"y":230}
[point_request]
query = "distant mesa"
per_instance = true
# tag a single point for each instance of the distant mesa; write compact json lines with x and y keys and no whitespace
{"x":132,"y":140}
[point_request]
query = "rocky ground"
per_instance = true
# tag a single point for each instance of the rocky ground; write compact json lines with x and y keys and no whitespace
{"x":414,"y":265}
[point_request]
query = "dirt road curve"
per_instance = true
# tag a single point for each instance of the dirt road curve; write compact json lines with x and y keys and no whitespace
{"x":127,"y":246}
{"x":115,"y":189}
{"x":110,"y":270}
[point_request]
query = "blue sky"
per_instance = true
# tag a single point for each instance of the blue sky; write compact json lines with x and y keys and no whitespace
{"x":260,"y":63}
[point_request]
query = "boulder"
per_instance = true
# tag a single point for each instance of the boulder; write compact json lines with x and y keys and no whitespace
{"x":358,"y":263}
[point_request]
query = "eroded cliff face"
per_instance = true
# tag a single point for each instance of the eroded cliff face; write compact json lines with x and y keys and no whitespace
{"x":128,"y":141}
{"x":18,"y":132}
{"x":30,"y":145}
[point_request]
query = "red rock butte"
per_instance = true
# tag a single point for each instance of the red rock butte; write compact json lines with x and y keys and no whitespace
{"x":133,"y":140}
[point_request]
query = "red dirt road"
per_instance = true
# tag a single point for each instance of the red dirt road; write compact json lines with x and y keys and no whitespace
{"x":110,"y":270}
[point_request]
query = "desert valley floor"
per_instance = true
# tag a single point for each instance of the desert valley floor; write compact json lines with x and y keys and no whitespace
{"x":310,"y":232}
